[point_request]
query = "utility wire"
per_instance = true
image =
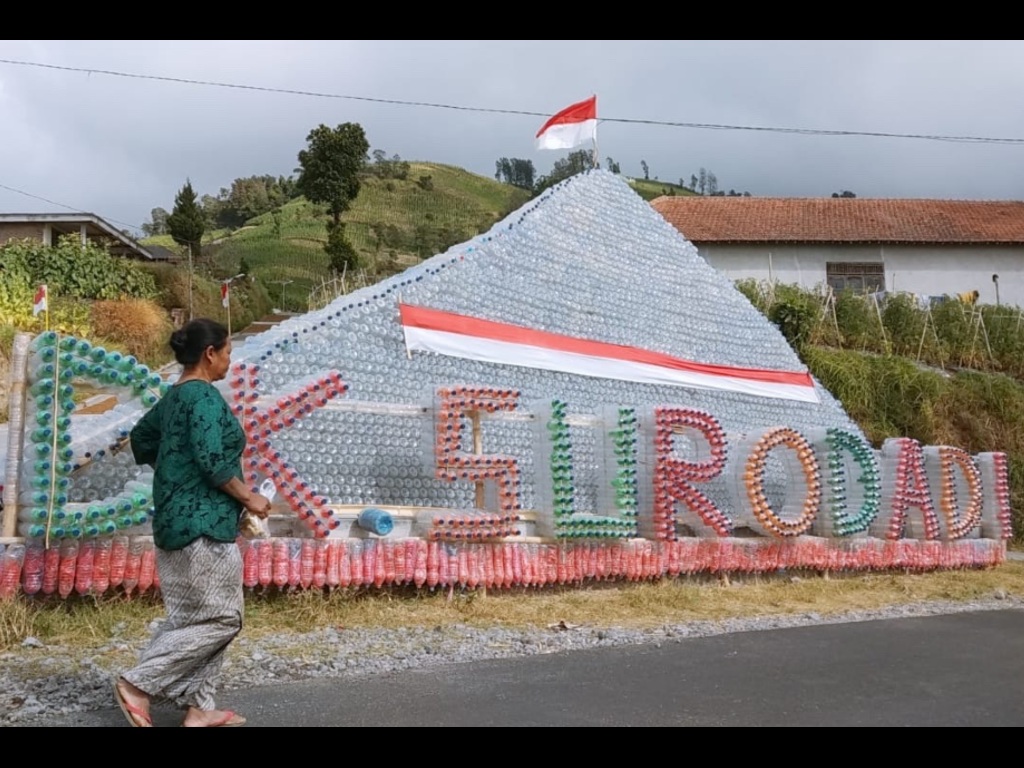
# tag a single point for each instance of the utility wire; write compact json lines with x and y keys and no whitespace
{"x":490,"y":110}
{"x":61,"y":205}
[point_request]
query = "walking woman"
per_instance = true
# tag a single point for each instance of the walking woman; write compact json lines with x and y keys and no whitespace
{"x":195,"y":446}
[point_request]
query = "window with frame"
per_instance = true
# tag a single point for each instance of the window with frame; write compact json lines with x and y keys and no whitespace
{"x":859,"y":277}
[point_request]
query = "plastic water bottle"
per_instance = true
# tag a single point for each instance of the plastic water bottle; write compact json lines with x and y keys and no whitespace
{"x":32,"y":530}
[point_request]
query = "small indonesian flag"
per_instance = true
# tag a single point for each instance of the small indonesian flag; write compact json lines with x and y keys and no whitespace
{"x":571,"y":127}
{"x":225,"y":295}
{"x":472,"y":338}
{"x":40,"y":303}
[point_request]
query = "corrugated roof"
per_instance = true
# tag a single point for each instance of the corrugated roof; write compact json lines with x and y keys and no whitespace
{"x":843,"y":220}
{"x":65,"y":223}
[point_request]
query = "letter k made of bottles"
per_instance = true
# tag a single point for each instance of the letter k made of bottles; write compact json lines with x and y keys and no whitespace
{"x":262,"y":423}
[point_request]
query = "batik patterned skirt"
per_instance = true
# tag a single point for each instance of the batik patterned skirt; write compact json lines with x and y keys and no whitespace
{"x":201,"y":587}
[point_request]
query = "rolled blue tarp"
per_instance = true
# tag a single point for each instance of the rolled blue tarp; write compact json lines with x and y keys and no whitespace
{"x":375,"y":521}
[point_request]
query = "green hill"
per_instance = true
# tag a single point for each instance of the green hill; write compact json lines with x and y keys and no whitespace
{"x":649,"y":189}
{"x":392,"y":224}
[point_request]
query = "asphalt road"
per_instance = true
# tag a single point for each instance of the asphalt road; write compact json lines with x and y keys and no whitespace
{"x":956,"y":670}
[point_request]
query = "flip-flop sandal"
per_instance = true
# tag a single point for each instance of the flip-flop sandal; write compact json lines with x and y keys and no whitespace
{"x":229,"y":720}
{"x":130,"y":711}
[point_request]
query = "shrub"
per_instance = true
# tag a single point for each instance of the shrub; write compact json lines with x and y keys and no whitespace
{"x":249,"y":300}
{"x":138,"y":326}
{"x":959,"y":334}
{"x":858,"y":322}
{"x":904,"y":323}
{"x":1005,"y":328}
{"x":7,"y":333}
{"x":71,"y":269}
{"x":796,"y":313}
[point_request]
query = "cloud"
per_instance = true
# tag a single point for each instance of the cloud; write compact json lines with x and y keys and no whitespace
{"x":120,"y":146}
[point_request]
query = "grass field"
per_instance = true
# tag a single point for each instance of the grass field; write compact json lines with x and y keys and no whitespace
{"x":87,"y":623}
{"x":649,"y":189}
{"x":392,"y":224}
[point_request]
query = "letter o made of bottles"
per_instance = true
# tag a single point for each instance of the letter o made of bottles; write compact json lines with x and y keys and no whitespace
{"x":798,"y":510}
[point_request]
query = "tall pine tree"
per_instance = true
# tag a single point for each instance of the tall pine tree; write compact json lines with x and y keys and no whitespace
{"x":186,"y":223}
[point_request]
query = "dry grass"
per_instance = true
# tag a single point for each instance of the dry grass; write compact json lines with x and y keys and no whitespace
{"x":634,"y":605}
{"x":137,"y":326}
{"x":87,"y":623}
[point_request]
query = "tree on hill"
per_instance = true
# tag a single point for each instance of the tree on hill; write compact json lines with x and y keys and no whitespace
{"x":844,"y":193}
{"x":329,"y":174}
{"x":577,"y":162}
{"x":247,"y":198}
{"x":395,"y":168}
{"x":157,"y":225}
{"x":330,"y":166}
{"x":186,"y":223}
{"x":214,"y":212}
{"x":712,"y":185}
{"x":515,"y":171}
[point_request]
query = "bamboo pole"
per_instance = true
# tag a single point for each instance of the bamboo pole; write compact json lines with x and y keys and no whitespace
{"x":984,"y":330}
{"x":15,"y":432}
{"x":924,"y":332}
{"x":881,"y":323}
{"x":928,"y":321}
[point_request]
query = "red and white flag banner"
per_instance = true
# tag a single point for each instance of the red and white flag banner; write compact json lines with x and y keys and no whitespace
{"x":471,"y":338}
{"x":574,"y":125}
{"x":41,"y":301}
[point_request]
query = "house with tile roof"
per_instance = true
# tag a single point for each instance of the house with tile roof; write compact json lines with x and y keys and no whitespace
{"x":926,"y":247}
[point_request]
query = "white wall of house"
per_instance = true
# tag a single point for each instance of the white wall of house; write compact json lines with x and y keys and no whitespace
{"x":929,"y":270}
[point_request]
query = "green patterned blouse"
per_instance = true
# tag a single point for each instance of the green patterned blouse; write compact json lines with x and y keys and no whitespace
{"x":195,"y":445}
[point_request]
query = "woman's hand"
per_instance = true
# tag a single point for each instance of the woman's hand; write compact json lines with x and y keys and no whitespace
{"x":255,"y":504}
{"x":258,"y":505}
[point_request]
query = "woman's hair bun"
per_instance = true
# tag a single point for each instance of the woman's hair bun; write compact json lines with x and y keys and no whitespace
{"x":179,"y":340}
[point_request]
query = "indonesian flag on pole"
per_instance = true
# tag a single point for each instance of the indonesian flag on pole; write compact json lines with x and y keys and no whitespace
{"x":225,"y":295}
{"x":571,"y":127}
{"x":40,"y":301}
{"x":446,"y":333}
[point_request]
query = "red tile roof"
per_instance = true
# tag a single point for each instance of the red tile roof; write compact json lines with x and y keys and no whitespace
{"x":842,"y":220}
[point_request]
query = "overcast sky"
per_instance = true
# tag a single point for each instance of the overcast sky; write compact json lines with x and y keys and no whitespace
{"x":120,"y":146}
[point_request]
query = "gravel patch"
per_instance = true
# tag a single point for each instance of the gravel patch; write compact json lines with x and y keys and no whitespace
{"x":37,"y":680}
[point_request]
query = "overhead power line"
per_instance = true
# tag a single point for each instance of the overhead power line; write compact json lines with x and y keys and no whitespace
{"x":62,"y":205}
{"x":529,"y":113}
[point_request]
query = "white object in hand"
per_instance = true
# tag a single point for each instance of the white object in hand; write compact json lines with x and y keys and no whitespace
{"x":268,"y":490}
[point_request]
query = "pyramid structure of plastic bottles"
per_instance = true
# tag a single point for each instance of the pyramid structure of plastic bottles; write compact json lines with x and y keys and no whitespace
{"x":589,"y":260}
